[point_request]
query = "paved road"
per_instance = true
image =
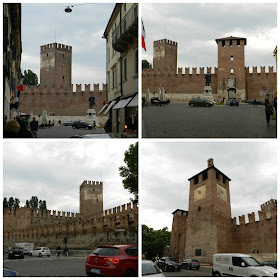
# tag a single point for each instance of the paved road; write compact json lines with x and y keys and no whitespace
{"x":179,"y":120}
{"x":204,"y":271}
{"x":34,"y":266}
{"x":66,"y":132}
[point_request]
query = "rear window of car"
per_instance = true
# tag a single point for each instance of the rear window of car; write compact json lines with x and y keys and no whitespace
{"x":106,"y":251}
{"x":46,"y":249}
{"x":132,"y":251}
{"x":150,"y":268}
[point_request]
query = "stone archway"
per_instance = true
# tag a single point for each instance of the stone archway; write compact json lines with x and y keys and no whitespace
{"x":231,"y":93}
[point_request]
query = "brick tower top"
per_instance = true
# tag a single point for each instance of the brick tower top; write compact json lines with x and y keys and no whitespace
{"x":165,"y":56}
{"x":91,"y":198}
{"x":56,"y":65}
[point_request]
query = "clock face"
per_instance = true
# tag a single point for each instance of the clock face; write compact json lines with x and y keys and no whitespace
{"x":221,"y":192}
{"x":200,"y":192}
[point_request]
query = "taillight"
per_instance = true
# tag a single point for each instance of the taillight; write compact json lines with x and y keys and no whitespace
{"x":112,"y":260}
{"x":42,"y":251}
{"x":125,"y":127}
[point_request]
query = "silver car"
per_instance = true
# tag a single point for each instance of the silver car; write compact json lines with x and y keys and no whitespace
{"x":150,"y":269}
{"x":40,"y":252}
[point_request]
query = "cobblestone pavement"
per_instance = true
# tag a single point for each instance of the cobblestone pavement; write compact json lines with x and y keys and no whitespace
{"x":179,"y":120}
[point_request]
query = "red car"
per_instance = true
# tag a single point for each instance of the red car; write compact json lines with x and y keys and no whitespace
{"x":116,"y":260}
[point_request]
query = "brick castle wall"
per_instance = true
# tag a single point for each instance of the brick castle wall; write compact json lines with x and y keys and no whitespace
{"x":61,"y":101}
{"x":48,"y":228}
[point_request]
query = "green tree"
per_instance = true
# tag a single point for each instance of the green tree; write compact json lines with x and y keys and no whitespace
{"x":42,"y":205}
{"x":30,"y":78}
{"x":16,"y":204}
{"x":154,"y":241}
{"x":146,"y":64}
{"x":5,"y":204}
{"x":27,"y":204}
{"x":130,"y":171}
{"x":11,"y":203}
{"x":34,"y":203}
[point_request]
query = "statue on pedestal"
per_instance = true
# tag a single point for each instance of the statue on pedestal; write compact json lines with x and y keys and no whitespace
{"x":91,"y":100}
{"x":208,"y":79}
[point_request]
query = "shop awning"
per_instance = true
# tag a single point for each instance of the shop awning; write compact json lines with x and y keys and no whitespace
{"x":134,"y":102}
{"x":122,"y":103}
{"x":103,"y":108}
{"x":110,"y":106}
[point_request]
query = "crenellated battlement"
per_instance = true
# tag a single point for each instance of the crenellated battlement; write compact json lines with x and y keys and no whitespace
{"x":262,"y":70}
{"x":95,"y":184}
{"x":55,"y":46}
{"x":268,"y":211}
{"x":165,"y":42}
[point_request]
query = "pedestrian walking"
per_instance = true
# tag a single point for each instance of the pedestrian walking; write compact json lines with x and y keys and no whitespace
{"x":66,"y":251}
{"x":23,"y":131}
{"x":59,"y":122}
{"x":58,"y":251}
{"x":268,"y":111}
{"x":34,"y":128}
{"x":275,"y":104}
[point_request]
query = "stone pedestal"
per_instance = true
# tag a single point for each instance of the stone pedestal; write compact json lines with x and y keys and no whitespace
{"x":207,"y":93}
{"x":91,"y":116}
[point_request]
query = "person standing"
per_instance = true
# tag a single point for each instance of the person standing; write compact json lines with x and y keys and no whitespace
{"x":34,"y":128}
{"x":58,"y":251}
{"x":268,"y":111}
{"x":275,"y":104}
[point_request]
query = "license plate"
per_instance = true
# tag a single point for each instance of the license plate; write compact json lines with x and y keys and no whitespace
{"x":16,"y":255}
{"x":94,"y":270}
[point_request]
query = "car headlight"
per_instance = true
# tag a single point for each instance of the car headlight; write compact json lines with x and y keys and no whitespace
{"x":268,"y":272}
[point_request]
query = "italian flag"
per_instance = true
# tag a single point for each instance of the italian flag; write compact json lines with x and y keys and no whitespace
{"x":143,"y":37}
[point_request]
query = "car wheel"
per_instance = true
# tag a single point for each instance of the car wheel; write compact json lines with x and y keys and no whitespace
{"x":165,"y":268}
{"x":130,"y":273}
{"x":40,"y":255}
{"x":48,"y":255}
{"x":217,"y":274}
{"x":179,"y":268}
{"x":192,"y":105}
{"x":207,"y":105}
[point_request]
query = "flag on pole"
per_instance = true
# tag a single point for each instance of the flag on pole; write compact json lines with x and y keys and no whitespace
{"x":143,"y":37}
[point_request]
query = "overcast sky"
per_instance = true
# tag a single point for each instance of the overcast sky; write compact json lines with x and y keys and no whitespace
{"x":196,"y":26}
{"x":82,"y":29}
{"x":167,"y":166}
{"x":54,"y":170}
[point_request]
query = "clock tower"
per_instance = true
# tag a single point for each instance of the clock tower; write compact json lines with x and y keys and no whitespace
{"x":209,"y":225}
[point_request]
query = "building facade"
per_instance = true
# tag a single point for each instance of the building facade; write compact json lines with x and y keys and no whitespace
{"x":231,"y":79}
{"x":85,"y":230}
{"x":121,"y":36}
{"x":12,"y":49}
{"x":207,"y":227}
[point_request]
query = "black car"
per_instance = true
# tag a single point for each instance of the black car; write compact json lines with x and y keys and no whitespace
{"x":82,"y":125}
{"x":168,"y":264}
{"x":155,"y":101}
{"x":190,"y":264}
{"x":200,"y":102}
{"x":16,"y":252}
{"x":9,"y":273}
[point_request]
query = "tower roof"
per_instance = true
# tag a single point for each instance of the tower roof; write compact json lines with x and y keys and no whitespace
{"x":231,"y":38}
{"x":212,"y":166}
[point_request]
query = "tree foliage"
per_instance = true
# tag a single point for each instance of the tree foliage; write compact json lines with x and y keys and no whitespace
{"x":146,"y":64}
{"x":130,"y":171}
{"x":34,"y":204}
{"x":30,"y":78}
{"x":11,"y":204}
{"x":154,"y":241}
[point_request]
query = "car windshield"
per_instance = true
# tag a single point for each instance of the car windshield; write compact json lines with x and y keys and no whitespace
{"x":251,"y":261}
{"x":149,"y":268}
{"x":106,"y":251}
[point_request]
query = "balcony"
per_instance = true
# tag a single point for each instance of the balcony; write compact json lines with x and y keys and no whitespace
{"x":126,"y":31}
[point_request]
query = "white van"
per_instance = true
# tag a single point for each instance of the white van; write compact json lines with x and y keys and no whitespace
{"x":240,"y":265}
{"x":27,"y":247}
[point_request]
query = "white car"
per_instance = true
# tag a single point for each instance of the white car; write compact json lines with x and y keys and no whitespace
{"x":240,"y":265}
{"x":40,"y":252}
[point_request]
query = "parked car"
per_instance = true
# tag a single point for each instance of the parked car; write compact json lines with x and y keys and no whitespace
{"x":154,"y":100}
{"x":9,"y":273}
{"x":200,"y":102}
{"x":115,"y":260}
{"x":150,"y":269}
{"x":16,"y":252}
{"x":168,"y":264}
{"x":68,"y":123}
{"x":270,"y":263}
{"x":232,"y":102}
{"x":27,"y":247}
{"x":240,"y":265}
{"x":82,"y":125}
{"x":255,"y":102}
{"x":190,"y":264}
{"x":40,"y":252}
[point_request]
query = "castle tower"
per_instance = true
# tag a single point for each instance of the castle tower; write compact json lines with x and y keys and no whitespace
{"x":231,"y":68}
{"x":56,"y":65}
{"x":91,"y":198}
{"x":209,"y":226}
{"x":165,"y":56}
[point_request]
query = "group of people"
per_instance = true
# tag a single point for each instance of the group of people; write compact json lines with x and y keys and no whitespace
{"x":18,"y":128}
{"x":65,"y":251}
